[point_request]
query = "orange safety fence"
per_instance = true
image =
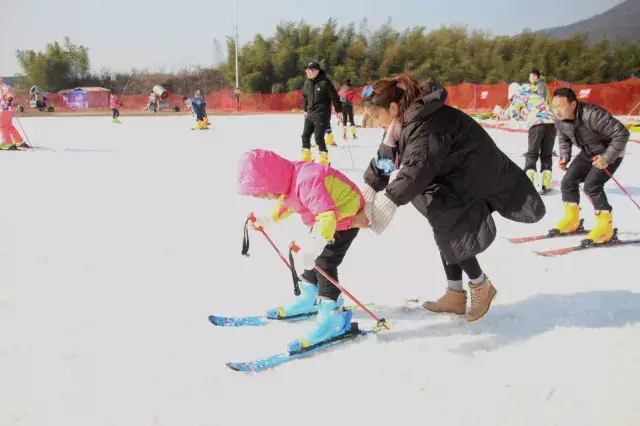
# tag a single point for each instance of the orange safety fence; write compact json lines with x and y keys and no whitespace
{"x":620,"y":98}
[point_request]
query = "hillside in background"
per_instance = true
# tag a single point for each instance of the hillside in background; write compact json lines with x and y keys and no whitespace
{"x":621,"y":21}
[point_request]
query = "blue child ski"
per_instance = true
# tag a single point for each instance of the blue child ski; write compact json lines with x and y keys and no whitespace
{"x":283,"y":357}
{"x":260,"y":320}
{"x":253,"y":321}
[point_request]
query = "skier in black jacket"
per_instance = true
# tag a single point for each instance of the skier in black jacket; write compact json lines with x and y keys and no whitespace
{"x":602,"y":140}
{"x":454,"y":174}
{"x":318,"y":93}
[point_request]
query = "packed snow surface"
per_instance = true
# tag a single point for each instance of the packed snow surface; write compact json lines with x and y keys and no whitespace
{"x":118,"y":244}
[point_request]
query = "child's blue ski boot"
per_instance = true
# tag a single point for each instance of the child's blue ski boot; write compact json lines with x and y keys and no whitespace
{"x":332,"y":321}
{"x":302,"y":307}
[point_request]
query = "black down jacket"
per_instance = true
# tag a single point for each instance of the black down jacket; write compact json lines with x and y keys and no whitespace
{"x":455,"y":175}
{"x":317,"y":96}
{"x":595,"y":131}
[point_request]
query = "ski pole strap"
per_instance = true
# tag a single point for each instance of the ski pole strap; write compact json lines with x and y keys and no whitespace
{"x":245,"y":238}
{"x":294,"y":274}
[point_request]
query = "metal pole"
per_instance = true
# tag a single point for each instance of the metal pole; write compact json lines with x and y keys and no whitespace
{"x":236,"y":28}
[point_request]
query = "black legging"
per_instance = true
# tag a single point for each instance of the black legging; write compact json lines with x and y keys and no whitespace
{"x":470,"y":266}
{"x":347,"y":115}
{"x":116,"y":113}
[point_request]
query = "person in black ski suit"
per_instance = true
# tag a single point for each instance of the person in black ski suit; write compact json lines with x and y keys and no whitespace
{"x":602,"y":140}
{"x":318,"y":93}
{"x":455,"y":176}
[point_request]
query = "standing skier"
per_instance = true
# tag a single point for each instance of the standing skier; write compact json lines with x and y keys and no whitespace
{"x":11,"y":138}
{"x":538,"y":84}
{"x":454,"y":174}
{"x":200,"y":95}
{"x":542,"y":133}
{"x":602,"y":141}
{"x":328,"y":202}
{"x":195,"y":105}
{"x":347,"y":94}
{"x":318,"y":93}
{"x":113,"y":103}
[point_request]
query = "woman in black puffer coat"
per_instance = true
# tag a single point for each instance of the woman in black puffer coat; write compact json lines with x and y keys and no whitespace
{"x":454,"y":174}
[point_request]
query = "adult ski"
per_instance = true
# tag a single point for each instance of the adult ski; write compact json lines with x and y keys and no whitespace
{"x":586,"y":245}
{"x":551,"y":234}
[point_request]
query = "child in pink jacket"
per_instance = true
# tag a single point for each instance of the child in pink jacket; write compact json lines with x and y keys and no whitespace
{"x":114,"y":107}
{"x":10,"y":135}
{"x":328,"y":202}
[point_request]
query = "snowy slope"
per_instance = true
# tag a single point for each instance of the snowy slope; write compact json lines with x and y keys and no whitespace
{"x":116,"y":247}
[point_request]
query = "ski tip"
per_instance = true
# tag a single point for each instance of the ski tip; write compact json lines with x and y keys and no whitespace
{"x":215,"y":320}
{"x":237,"y":366}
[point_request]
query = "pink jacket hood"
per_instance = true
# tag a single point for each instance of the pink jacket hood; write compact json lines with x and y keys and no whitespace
{"x":264,"y":172}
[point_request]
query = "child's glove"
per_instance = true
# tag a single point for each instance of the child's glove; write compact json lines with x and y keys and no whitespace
{"x":310,"y":248}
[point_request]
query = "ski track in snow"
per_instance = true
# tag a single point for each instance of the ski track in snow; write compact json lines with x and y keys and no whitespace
{"x":115,"y":248}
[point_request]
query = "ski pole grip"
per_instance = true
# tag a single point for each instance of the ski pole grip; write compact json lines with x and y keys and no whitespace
{"x":294,"y":247}
{"x":252,"y":218}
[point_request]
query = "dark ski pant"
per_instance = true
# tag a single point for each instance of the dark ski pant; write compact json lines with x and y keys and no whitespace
{"x":542,"y":137}
{"x":581,"y":170}
{"x":329,"y":261}
{"x":470,"y":266}
{"x":115,"y":112}
{"x":347,"y":114}
{"x":199,"y":111}
{"x":317,"y":128}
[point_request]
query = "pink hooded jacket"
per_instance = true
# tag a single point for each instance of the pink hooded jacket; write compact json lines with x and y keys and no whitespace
{"x":309,"y":189}
{"x":113,"y":103}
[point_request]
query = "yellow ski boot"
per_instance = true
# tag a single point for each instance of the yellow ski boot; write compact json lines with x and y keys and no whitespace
{"x":353,"y":131}
{"x":571,"y":222}
{"x":531,"y":174}
{"x":603,"y":231}
{"x":330,"y":141}
{"x":546,"y":180}
{"x":324,"y":158}
{"x":306,"y":155}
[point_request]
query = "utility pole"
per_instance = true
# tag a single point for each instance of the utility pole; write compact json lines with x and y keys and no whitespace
{"x":237,"y":91}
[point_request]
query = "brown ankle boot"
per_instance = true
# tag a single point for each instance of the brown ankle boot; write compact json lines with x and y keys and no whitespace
{"x":481,"y":297}
{"x":453,"y":302}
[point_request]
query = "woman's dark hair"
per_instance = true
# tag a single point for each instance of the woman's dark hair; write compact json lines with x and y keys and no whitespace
{"x":536,"y":72}
{"x":565,"y":92}
{"x":403,"y":90}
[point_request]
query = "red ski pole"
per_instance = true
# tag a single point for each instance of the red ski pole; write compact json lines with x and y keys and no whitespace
{"x":381,"y":322}
{"x":260,"y":229}
{"x":245,"y":250}
{"x":622,"y":188}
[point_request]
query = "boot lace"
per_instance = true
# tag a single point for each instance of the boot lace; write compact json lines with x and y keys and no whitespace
{"x":446,"y":296}
{"x":476,"y":295}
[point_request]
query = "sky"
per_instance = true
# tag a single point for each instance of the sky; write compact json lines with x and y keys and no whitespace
{"x":156,"y":34}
